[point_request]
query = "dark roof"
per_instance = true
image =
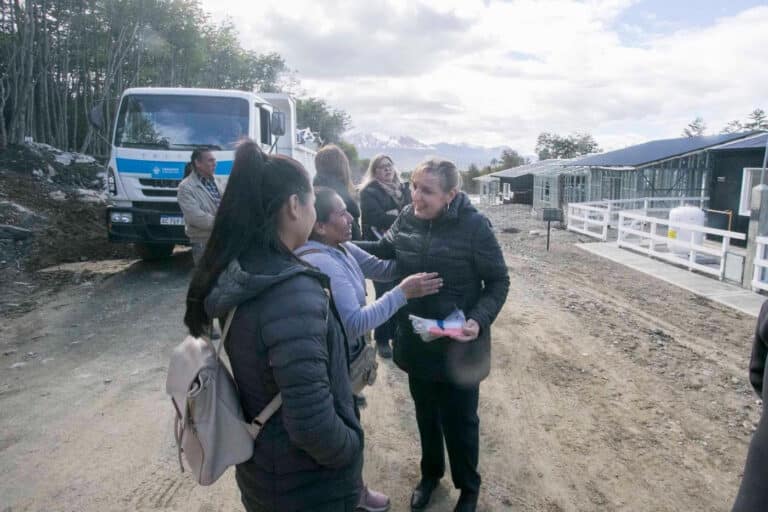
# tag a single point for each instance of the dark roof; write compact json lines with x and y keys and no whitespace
{"x":656,"y":150}
{"x":756,"y":142}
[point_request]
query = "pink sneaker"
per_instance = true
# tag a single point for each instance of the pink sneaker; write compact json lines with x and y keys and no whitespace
{"x":372,"y":501}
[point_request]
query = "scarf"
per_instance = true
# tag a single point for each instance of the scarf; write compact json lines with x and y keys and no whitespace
{"x":394,"y":190}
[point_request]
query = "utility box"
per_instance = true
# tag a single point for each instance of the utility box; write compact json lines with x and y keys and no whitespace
{"x":552,"y":214}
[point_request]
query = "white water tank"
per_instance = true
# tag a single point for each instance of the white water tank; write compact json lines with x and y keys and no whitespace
{"x":680,"y":237}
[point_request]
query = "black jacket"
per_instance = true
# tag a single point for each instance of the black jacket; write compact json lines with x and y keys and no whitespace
{"x":352,"y":207}
{"x":753,"y":491}
{"x":375,"y":202}
{"x":759,"y":352}
{"x":461,"y":247}
{"x":286,"y":337}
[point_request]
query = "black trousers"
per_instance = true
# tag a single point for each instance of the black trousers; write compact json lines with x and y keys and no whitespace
{"x":445,"y":411}
{"x":753,"y":493}
{"x":385,"y":331}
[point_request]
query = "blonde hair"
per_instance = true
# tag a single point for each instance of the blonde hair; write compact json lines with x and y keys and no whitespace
{"x":445,"y":170}
{"x":331,"y":161}
{"x":370,"y":173}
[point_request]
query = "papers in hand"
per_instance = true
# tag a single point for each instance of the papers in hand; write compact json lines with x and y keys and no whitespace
{"x":430,"y":329}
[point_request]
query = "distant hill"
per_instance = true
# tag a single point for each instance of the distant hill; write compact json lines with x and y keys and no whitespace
{"x":407,"y":152}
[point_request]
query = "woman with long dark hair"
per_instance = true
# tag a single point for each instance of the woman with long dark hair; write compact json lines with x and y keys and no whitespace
{"x":348,"y":266}
{"x":285,"y":338}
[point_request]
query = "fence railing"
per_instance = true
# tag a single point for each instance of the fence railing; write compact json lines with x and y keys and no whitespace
{"x":594,"y":218}
{"x":761,"y":263}
{"x":589,"y":219}
{"x":641,"y":233}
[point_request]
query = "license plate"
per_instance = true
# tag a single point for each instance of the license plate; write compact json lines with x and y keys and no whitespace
{"x":171,"y":220}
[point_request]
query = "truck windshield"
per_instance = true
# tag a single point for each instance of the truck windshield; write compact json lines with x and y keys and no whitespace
{"x":181,"y":122}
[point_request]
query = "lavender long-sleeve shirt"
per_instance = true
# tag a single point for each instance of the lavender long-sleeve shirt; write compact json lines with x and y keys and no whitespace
{"x":348,"y":266}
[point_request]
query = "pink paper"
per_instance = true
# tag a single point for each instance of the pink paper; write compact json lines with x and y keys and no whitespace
{"x":453,"y":332}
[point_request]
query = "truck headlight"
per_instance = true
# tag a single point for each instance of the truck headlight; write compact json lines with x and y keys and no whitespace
{"x":111,"y":182}
{"x":121,"y":217}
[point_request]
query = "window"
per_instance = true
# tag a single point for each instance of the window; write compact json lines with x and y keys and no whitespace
{"x":266,"y":128}
{"x":750,"y":179}
{"x":172,"y":121}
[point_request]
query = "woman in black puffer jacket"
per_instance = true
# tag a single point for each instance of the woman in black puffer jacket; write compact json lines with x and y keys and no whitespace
{"x":442,"y":232}
{"x":285,"y":337}
{"x":382,"y":198}
{"x":753,"y":493}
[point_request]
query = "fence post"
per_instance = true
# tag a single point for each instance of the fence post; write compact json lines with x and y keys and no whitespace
{"x":758,"y":226}
{"x":759,"y":250}
{"x":651,"y":245}
{"x":619,"y":229}
{"x":723,"y":253}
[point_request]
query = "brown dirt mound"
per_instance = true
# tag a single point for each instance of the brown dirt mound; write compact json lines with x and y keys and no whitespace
{"x":42,"y":190}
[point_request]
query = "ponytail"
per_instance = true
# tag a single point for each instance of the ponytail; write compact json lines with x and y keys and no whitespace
{"x":247,"y":219}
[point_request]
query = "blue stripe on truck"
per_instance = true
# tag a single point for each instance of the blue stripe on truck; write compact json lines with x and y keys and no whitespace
{"x":163,"y":170}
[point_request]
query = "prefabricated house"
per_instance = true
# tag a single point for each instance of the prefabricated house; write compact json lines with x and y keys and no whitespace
{"x":735,"y":171}
{"x":516,"y":184}
{"x":659,"y":168}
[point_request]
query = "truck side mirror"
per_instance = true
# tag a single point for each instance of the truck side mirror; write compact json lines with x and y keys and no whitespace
{"x":278,"y":123}
{"x":96,"y":117}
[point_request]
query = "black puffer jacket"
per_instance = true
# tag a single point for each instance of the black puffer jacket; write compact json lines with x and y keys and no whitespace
{"x":753,"y":491}
{"x":462,"y":248}
{"x":375,"y":202}
{"x":352,"y":207}
{"x":286,"y":337}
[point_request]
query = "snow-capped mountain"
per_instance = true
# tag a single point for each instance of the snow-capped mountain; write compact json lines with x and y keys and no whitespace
{"x":407,"y":152}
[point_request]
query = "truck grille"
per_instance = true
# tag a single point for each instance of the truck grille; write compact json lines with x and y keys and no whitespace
{"x":153,"y":192}
{"x":157,"y":206}
{"x":159,"y":183}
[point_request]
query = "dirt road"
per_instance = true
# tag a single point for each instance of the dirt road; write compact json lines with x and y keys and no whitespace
{"x":610,"y":391}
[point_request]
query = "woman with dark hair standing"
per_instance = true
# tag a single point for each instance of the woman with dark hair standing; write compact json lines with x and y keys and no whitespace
{"x":199,"y":198}
{"x":333,"y":172}
{"x":442,"y":232}
{"x":347,"y":266}
{"x":382,"y":197}
{"x":285,"y":338}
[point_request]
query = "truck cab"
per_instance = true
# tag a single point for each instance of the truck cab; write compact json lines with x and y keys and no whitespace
{"x":155,"y":132}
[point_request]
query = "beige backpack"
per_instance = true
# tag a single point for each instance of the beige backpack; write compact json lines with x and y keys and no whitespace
{"x":209,"y":425}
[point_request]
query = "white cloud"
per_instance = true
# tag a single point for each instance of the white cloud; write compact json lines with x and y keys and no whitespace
{"x":493,"y":73}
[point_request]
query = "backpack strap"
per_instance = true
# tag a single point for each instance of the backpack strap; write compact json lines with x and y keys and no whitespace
{"x":254,"y":427}
{"x":224,"y":331}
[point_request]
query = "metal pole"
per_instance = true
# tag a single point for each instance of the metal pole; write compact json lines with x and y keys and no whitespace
{"x":765,"y":161}
{"x":549,"y":223}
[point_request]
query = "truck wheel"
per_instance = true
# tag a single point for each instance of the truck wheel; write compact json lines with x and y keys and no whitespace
{"x":148,"y":252}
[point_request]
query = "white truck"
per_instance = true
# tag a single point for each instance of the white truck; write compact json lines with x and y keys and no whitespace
{"x":152,"y":140}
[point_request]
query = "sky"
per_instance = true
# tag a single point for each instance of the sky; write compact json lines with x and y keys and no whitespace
{"x":495,"y":73}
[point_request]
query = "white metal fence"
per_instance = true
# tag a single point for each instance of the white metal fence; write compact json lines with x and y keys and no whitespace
{"x":648,"y":235}
{"x":594,"y":218}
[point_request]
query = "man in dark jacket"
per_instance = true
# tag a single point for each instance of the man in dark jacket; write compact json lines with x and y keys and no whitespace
{"x":753,"y":493}
{"x":311,"y":450}
{"x":442,"y":232}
